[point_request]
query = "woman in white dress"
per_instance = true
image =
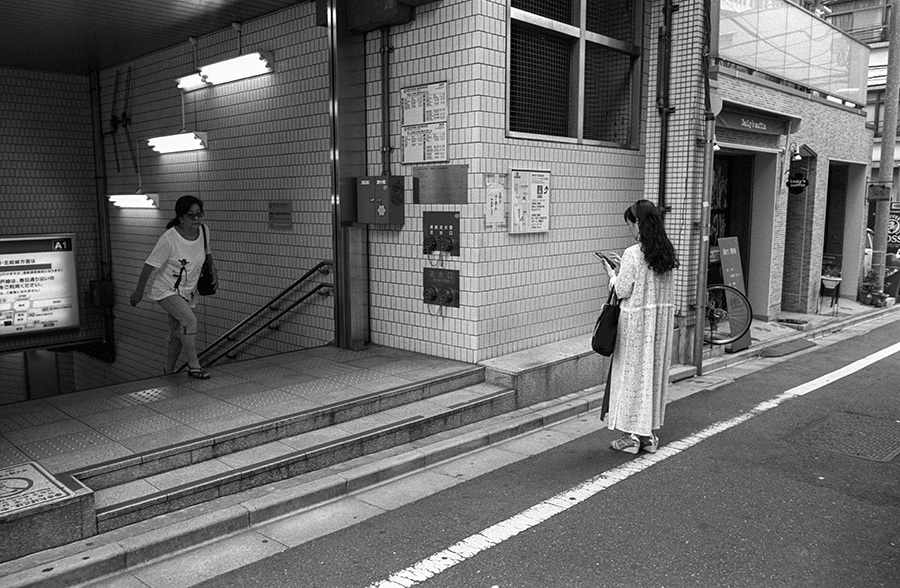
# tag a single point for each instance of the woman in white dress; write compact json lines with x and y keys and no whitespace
{"x":639,"y":375}
{"x":175,"y":265}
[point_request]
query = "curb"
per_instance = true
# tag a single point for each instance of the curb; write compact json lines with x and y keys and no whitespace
{"x":122,"y":549}
{"x":130,"y":546}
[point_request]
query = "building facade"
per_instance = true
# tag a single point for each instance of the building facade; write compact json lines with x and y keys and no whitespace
{"x":509,"y":135}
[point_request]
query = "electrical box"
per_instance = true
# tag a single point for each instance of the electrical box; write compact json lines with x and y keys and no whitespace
{"x":379,"y":200}
{"x":440,"y":286}
{"x":440,"y":233}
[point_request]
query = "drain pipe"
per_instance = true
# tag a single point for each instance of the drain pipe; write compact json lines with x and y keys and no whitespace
{"x":663,"y":71}
{"x":386,"y":148}
{"x":102,"y":288}
{"x":709,"y":116}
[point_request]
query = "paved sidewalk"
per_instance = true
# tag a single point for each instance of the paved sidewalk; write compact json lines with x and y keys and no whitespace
{"x":138,"y":544}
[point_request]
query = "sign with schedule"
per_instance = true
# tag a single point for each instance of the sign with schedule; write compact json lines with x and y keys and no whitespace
{"x":38,"y":284}
{"x":529,"y":206}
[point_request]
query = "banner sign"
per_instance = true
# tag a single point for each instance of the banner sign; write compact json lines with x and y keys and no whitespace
{"x":751,"y":122}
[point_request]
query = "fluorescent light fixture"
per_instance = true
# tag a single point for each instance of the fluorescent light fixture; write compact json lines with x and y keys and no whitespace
{"x":191,"y":82}
{"x":135,"y":200}
{"x":187,"y":141}
{"x":245,"y":66}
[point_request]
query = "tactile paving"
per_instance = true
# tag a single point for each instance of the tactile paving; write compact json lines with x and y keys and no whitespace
{"x":65,"y":444}
{"x":34,"y":418}
{"x":137,"y":427}
{"x":151,"y":395}
{"x":853,"y":434}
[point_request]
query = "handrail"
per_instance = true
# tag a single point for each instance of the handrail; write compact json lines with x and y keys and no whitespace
{"x":318,"y":288}
{"x":317,"y":268}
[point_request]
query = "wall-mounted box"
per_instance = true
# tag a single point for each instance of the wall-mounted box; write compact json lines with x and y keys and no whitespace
{"x":379,"y":200}
{"x":440,"y":286}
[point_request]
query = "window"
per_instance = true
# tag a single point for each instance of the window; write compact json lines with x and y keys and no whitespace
{"x":574,"y":70}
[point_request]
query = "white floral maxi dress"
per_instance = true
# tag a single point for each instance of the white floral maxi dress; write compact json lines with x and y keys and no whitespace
{"x":639,"y":379}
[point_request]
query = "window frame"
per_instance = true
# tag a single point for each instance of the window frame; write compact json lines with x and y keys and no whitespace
{"x":581,"y":37}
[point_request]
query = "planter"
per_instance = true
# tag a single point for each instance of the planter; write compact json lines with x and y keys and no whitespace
{"x":872,"y":298}
{"x":830,"y":282}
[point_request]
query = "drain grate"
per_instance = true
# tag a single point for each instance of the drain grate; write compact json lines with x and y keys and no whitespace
{"x":852,"y":434}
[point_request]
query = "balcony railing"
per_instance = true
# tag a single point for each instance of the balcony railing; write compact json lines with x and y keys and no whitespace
{"x":785,"y":41}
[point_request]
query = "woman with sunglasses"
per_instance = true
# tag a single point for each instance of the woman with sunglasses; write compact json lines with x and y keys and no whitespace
{"x":175,"y":265}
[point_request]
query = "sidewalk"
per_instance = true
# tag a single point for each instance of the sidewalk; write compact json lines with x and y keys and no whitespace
{"x":23,"y":433}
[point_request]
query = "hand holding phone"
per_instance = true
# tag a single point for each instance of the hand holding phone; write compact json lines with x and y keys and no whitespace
{"x":603,"y":257}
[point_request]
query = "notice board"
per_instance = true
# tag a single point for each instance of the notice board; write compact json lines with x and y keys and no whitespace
{"x":733,"y":275}
{"x":38,"y":284}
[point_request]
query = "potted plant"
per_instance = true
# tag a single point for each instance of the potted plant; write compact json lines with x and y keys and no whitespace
{"x":868,"y":293}
{"x":831,"y":276}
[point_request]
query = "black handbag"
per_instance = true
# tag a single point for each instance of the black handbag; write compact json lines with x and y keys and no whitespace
{"x":205,"y":285}
{"x":604,"y":339}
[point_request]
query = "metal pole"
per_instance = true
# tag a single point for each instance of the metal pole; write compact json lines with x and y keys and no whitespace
{"x":888,"y":140}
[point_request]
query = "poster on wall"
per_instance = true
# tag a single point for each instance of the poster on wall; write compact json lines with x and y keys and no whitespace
{"x":425,"y":143}
{"x":529,"y":206}
{"x":38,"y":284}
{"x":423,"y":126}
{"x":424,"y":104}
{"x":496,"y":210}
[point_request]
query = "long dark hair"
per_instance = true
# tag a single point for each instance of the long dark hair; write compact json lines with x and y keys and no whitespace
{"x":658,"y":250}
{"x":182,"y":207}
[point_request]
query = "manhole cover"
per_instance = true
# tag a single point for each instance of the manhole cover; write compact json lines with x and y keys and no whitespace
{"x":853,"y":434}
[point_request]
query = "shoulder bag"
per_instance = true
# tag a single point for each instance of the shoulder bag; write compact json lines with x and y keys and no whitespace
{"x":604,"y":339}
{"x":205,"y":285}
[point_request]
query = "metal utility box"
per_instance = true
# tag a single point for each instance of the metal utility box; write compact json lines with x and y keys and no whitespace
{"x":379,"y":200}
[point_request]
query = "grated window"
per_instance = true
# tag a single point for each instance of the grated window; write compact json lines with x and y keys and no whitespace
{"x":539,"y":81}
{"x":613,"y":18}
{"x":608,"y":99}
{"x":560,"y":10}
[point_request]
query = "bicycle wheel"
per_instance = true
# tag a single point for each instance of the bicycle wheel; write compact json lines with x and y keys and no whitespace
{"x":728,"y":315}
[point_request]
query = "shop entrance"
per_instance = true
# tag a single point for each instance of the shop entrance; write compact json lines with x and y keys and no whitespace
{"x":731,"y":209}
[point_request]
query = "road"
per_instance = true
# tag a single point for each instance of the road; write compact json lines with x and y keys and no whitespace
{"x":754,"y":487}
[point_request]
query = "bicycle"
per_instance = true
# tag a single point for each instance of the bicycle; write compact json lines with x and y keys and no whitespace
{"x":728,"y":315}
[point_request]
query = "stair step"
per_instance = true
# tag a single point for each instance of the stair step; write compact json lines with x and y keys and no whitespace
{"x":158,"y":461}
{"x":164,"y":492}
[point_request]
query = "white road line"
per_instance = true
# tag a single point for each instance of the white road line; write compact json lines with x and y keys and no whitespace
{"x":537,"y":514}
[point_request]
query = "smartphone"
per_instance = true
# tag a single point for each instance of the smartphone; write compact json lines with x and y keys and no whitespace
{"x":603,"y":256}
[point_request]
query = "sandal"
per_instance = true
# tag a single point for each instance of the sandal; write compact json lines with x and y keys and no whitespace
{"x":198,"y":373}
{"x":650,"y":444}
{"x":627,"y":444}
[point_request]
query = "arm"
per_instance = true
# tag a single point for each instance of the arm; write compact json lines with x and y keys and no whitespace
{"x":138,"y":293}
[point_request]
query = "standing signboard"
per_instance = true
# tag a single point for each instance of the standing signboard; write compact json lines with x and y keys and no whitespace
{"x":733,"y":276}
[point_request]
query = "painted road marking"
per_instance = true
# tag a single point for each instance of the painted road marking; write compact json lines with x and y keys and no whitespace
{"x":537,"y":514}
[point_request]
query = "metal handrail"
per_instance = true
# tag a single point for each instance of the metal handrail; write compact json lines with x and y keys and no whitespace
{"x":319,"y":267}
{"x":318,"y":288}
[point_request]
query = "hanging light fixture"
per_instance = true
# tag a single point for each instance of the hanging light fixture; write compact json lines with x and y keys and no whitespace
{"x":230,"y":70}
{"x":239,"y":68}
{"x":138,"y":199}
{"x":183,"y":141}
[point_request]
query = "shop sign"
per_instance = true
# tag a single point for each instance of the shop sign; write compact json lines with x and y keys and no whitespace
{"x":751,"y":122}
{"x":879,"y":191}
{"x":796,"y":183}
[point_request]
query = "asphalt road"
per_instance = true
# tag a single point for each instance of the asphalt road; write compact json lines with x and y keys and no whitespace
{"x":767,"y":501}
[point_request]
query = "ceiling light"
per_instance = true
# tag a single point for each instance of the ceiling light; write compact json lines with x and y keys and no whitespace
{"x":186,"y":141}
{"x":135,"y":200}
{"x":245,"y":66}
{"x":191,"y":82}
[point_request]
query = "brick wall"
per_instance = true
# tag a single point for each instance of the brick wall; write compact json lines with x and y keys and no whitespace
{"x":834,"y":133}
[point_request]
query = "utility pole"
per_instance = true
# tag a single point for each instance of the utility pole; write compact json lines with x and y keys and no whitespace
{"x":888,"y":140}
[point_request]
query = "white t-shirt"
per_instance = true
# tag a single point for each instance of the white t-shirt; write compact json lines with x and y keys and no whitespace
{"x":178,"y":262}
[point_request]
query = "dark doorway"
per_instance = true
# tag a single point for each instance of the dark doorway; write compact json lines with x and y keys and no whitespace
{"x":731,"y":205}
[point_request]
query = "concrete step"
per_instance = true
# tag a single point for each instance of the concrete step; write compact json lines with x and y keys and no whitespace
{"x":158,"y":461}
{"x":237,"y":471}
